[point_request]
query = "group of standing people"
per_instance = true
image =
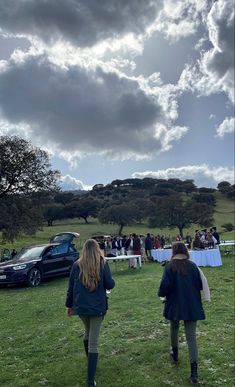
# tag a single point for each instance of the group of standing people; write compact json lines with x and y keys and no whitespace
{"x":133,"y":244}
{"x":125,"y":245}
{"x":122,"y":245}
{"x":206,"y":239}
{"x":180,"y":288}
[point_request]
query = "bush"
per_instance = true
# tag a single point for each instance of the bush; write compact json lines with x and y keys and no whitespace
{"x":228,"y":226}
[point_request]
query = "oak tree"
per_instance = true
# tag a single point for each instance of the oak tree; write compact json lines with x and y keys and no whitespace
{"x":25,"y":171}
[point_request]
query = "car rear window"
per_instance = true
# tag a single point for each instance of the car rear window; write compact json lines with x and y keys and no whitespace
{"x":60,"y":249}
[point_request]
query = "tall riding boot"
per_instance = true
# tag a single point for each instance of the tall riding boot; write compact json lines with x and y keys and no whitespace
{"x":174,"y":355}
{"x":92,"y":363}
{"x":85,"y":343}
{"x":194,"y":375}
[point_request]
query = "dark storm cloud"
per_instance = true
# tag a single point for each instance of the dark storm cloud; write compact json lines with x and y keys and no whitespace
{"x":79,"y":109}
{"x":221,"y":29}
{"x":83,"y":22}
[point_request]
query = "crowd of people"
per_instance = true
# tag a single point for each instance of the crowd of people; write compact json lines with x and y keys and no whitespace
{"x":180,"y":288}
{"x":143,"y":244}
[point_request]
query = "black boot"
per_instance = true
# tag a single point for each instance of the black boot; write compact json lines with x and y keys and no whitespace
{"x":174,"y":355}
{"x":194,"y":375}
{"x":85,"y":343}
{"x":92,"y":363}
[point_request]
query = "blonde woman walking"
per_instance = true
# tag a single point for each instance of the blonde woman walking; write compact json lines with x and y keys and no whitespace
{"x":86,"y":297}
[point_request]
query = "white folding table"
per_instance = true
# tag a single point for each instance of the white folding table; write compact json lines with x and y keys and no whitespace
{"x":225,"y":245}
{"x":125,"y":257}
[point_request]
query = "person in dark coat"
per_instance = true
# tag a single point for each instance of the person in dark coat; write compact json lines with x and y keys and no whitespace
{"x":86,"y":297}
{"x":148,"y":247}
{"x":13,"y":253}
{"x":216,"y":236}
{"x":181,"y":287}
{"x":127,"y":244}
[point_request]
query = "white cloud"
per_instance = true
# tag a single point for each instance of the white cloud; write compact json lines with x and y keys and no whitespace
{"x":69,"y":183}
{"x":21,"y":130}
{"x":214,"y":72}
{"x":227,"y":126}
{"x":180,"y":18}
{"x":195,"y":172}
{"x":166,"y":136}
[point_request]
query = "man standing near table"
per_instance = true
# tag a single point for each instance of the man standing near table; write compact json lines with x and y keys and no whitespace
{"x":188,"y":241}
{"x":148,"y":247}
{"x":216,"y":236}
{"x":136,"y":249}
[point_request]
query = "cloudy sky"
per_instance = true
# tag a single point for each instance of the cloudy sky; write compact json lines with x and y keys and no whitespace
{"x":115,"y":89}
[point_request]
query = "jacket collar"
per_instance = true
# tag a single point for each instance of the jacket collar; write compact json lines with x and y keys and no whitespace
{"x":180,"y":256}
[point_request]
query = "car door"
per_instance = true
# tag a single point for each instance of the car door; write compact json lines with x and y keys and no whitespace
{"x":72,"y":255}
{"x":54,"y":260}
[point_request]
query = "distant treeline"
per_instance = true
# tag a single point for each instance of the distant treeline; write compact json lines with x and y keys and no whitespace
{"x":159,"y":202}
{"x":30,"y":196}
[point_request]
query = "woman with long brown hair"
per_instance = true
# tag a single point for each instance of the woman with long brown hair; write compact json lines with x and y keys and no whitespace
{"x":181,"y":286}
{"x":86,"y":297}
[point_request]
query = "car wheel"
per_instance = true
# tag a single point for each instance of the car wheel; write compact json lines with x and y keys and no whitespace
{"x":34,"y":277}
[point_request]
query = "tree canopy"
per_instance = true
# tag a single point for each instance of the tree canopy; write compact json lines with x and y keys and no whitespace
{"x":173,"y":211}
{"x":25,"y":172}
{"x":24,"y":168}
{"x":121,"y":215}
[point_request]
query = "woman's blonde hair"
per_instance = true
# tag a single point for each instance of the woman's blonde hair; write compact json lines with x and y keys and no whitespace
{"x":89,"y":264}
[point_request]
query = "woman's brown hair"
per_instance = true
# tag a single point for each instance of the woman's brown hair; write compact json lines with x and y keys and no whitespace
{"x":179,"y":249}
{"x":89,"y":264}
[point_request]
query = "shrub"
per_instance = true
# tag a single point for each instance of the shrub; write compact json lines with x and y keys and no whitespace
{"x":228,"y":226}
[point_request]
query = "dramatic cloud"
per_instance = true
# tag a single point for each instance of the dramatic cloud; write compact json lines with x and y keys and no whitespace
{"x":69,"y":183}
{"x":83,"y":110}
{"x":83,"y":22}
{"x":82,"y":77}
{"x":180,"y":18}
{"x":214,"y":73}
{"x":227,"y":126}
{"x":196,"y":172}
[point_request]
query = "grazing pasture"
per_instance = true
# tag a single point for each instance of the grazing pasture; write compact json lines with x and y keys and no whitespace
{"x":41,"y":346}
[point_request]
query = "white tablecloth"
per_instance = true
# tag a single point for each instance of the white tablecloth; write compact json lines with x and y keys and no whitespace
{"x":211,"y":257}
{"x":161,"y":255}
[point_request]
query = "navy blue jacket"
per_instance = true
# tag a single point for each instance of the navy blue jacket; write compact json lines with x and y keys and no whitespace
{"x":148,"y":243}
{"x":82,"y":300}
{"x":182,"y":292}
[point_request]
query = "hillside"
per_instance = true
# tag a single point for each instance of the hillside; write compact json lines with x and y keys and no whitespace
{"x":224,"y":213}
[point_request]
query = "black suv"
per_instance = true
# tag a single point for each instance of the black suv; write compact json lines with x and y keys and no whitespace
{"x":34,"y":263}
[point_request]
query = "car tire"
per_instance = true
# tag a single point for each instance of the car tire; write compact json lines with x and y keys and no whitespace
{"x":34,"y":277}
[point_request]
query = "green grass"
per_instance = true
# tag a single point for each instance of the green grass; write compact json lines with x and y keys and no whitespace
{"x":41,"y":346}
{"x":224,"y":213}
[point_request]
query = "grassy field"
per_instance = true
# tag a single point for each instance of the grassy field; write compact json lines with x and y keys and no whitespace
{"x":41,"y":346}
{"x":224,"y":210}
